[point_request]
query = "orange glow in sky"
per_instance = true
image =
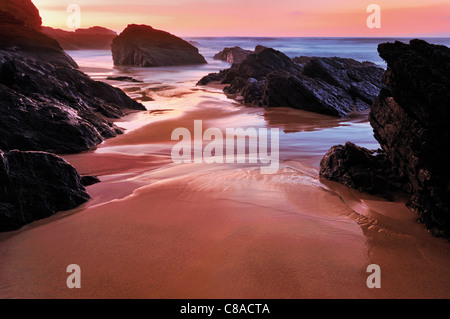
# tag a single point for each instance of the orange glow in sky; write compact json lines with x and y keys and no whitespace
{"x":300,"y":18}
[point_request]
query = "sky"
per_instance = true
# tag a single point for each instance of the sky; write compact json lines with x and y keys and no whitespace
{"x":266,"y":18}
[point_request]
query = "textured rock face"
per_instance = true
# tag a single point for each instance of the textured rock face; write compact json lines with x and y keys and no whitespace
{"x":23,"y":10}
{"x":35,"y":185}
{"x":232,"y":55}
{"x":410,"y":120}
{"x":45,"y":103}
{"x":143,"y":46}
{"x":16,"y":36}
{"x":332,"y":86}
{"x":95,"y":38}
{"x":358,"y":168}
{"x":46,"y":107}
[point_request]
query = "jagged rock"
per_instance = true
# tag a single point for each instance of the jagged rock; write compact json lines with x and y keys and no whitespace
{"x":16,"y":36}
{"x":332,"y":86}
{"x":89,"y":180}
{"x":143,"y":46}
{"x":232,"y":55}
{"x":46,"y":107}
{"x":36,"y":185}
{"x":45,"y":103}
{"x":359,"y":168}
{"x":410,"y":120}
{"x":123,"y":79}
{"x":94,"y":38}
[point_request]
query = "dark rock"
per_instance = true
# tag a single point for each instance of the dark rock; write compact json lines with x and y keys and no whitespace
{"x":361,"y":80}
{"x":23,"y":10}
{"x":358,"y":168}
{"x":299,"y":91}
{"x":143,"y":46}
{"x":410,"y":120}
{"x":15,"y":35}
{"x":36,"y":185}
{"x":232,"y":55}
{"x":45,"y":103}
{"x":123,"y":79}
{"x":213,"y":77}
{"x":332,"y":86}
{"x":89,"y":180}
{"x":94,"y":38}
{"x":46,"y":107}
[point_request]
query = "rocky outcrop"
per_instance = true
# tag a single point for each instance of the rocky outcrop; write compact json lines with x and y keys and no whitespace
{"x":23,"y":10}
{"x":331,"y":86}
{"x":16,"y":36}
{"x":35,"y":185}
{"x":232,"y":55}
{"x":95,"y":38}
{"x":410,"y":120}
{"x":46,"y":104}
{"x":143,"y":46}
{"x":46,"y":107}
{"x":356,"y":167}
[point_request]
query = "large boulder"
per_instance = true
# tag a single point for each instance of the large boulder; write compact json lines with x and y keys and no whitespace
{"x":232,"y":55}
{"x":359,"y":168}
{"x":95,"y":38}
{"x":45,"y":103}
{"x":143,"y":46}
{"x":410,"y":120}
{"x":332,"y":86}
{"x":36,"y":185}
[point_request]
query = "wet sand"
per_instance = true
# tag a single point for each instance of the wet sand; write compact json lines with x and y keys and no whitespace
{"x":154,"y":229}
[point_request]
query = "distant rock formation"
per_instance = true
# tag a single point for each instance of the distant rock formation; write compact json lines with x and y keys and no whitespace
{"x":35,"y":185}
{"x":411,"y":120}
{"x":143,"y":46}
{"x":23,"y":10}
{"x":332,"y":86}
{"x":232,"y":55}
{"x":95,"y":38}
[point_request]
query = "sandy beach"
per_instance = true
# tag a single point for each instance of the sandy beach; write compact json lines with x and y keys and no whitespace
{"x":154,"y":229}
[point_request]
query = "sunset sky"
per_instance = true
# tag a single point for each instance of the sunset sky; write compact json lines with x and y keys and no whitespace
{"x":258,"y":17}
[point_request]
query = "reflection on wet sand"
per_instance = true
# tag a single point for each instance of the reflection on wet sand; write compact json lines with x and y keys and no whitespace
{"x":154,"y":229}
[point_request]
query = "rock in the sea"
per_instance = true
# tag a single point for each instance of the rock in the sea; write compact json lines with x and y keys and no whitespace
{"x":45,"y":103}
{"x":36,"y":185}
{"x":143,"y":46}
{"x":89,"y":180}
{"x":123,"y":79}
{"x":94,"y":38}
{"x":332,"y":86}
{"x":232,"y":55}
{"x":411,"y":119}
